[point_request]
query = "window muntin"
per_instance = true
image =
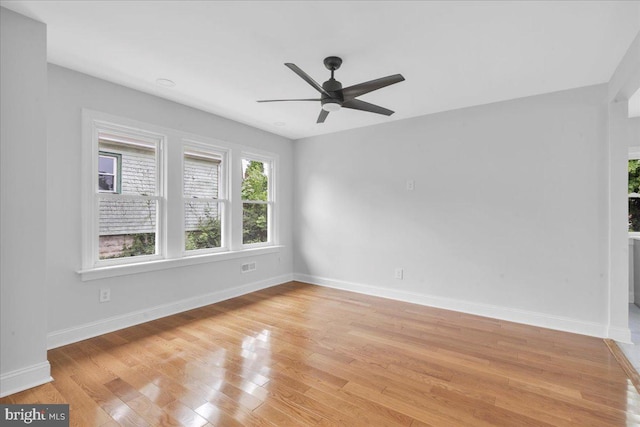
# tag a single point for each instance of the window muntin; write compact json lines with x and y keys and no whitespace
{"x":128,"y":215}
{"x":205,"y":203}
{"x":257,"y":200}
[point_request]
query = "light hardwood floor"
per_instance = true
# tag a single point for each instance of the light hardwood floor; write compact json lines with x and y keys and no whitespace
{"x":298,"y":355}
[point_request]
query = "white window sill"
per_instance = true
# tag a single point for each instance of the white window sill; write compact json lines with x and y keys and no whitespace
{"x":143,"y":267}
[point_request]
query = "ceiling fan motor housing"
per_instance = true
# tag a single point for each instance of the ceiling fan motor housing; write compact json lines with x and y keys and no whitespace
{"x":334,"y":88}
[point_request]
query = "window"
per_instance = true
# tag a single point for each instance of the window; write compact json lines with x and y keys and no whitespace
{"x":127,"y":196}
{"x":109,"y":172}
{"x":204,"y":192}
{"x":634,"y":195}
{"x":257,"y":200}
{"x":162,"y":195}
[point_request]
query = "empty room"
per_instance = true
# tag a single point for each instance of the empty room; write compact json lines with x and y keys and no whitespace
{"x":309,"y":213}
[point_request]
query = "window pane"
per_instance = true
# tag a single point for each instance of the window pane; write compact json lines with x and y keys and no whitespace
{"x":634,"y":176}
{"x":634,"y":190}
{"x":106,"y":183}
{"x":254,"y":223}
{"x":255,"y":180}
{"x":634,"y":214}
{"x":201,"y":176}
{"x":138,"y":166}
{"x":126,"y":227}
{"x":106,"y":165}
{"x":203,"y":225}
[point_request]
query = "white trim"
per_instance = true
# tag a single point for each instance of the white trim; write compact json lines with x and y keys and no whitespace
{"x":631,"y":269}
{"x":622,"y":335}
{"x":162,"y":264}
{"x":634,"y":152}
{"x":99,"y":125}
{"x":93,"y":329}
{"x":25,"y":378}
{"x":542,"y":320}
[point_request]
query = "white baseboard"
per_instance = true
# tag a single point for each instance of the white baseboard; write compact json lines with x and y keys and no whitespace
{"x":496,"y":312}
{"x":93,"y":329}
{"x":25,"y":378}
{"x":622,"y":335}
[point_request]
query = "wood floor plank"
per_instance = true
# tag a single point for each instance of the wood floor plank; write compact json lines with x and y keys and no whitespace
{"x":366,"y":412}
{"x":187,"y":416}
{"x":217,"y":416}
{"x":303,"y":355}
{"x":152,"y":413}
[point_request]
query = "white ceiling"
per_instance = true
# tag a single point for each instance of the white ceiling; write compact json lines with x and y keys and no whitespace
{"x":224,"y":56}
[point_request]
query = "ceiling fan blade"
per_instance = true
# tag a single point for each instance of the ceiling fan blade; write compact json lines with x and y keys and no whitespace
{"x":323,"y":115}
{"x":366,"y":87}
{"x":356,"y":104}
{"x":306,"y":78}
{"x":284,"y":100}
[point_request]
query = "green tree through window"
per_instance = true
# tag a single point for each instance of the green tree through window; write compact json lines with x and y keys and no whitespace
{"x":634,"y":193}
{"x":255,"y":195}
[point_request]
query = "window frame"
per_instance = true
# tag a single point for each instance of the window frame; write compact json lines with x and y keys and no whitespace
{"x":269,"y":160}
{"x":170,"y":223}
{"x":223,"y":195}
{"x":634,"y":154}
{"x":95,"y":130}
{"x":117,"y":175}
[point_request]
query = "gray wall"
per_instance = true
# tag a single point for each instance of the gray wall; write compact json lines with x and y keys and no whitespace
{"x":23,"y":179}
{"x":507,"y":219}
{"x":622,"y":134}
{"x":74,"y":304}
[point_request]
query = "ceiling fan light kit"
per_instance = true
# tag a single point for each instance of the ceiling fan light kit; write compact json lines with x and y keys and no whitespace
{"x":333,"y":97}
{"x":331,"y":105}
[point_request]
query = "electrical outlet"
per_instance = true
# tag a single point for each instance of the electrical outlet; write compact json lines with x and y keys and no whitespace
{"x":105,"y":295}
{"x":411,"y":185}
{"x":398,"y":273}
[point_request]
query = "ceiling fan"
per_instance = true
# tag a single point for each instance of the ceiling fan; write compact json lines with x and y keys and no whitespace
{"x":333,"y":96}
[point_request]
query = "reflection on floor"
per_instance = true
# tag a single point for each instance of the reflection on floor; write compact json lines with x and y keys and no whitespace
{"x":303,"y":355}
{"x":632,"y":351}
